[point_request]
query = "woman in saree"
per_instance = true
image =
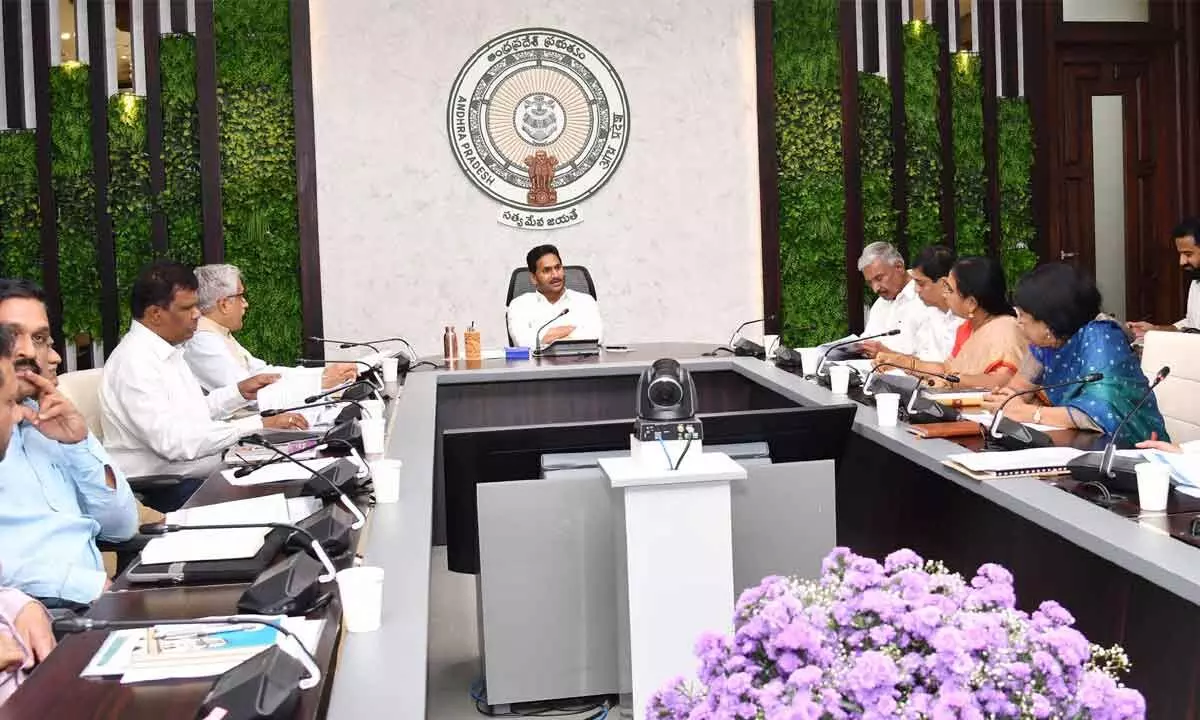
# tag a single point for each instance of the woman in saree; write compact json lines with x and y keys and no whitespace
{"x":1057,"y":308}
{"x":989,"y":347}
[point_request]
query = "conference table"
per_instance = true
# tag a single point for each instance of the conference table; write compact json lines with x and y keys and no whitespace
{"x":1128,"y":577}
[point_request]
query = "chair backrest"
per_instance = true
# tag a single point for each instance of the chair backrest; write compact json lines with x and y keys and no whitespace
{"x":82,"y":388}
{"x":577,"y":276}
{"x":1179,"y":395}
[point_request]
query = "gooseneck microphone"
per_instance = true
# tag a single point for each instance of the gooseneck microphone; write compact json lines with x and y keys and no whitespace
{"x":372,"y":343}
{"x":75,"y":624}
{"x":1105,"y":467}
{"x":260,"y":441}
{"x":835,"y":346}
{"x":341,"y":343}
{"x":317,"y":548}
{"x":341,"y":388}
{"x":538,"y":349}
{"x":999,"y":416}
{"x":280,"y":411}
{"x":952,"y":379}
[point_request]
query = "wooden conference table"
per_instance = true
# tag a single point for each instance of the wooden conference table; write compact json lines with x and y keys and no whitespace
{"x":1120,"y":572}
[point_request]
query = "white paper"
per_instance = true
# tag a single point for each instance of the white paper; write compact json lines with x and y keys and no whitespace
{"x":289,"y":471}
{"x":984,"y":418}
{"x":1185,"y":469}
{"x":115,"y":656}
{"x":301,"y":507}
{"x":236,"y":543}
{"x":1032,"y":458}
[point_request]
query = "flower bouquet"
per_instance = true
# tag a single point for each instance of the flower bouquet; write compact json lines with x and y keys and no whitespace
{"x":903,"y":639}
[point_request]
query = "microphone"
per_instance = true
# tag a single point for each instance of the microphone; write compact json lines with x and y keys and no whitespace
{"x":263,"y":685}
{"x":930,"y":411}
{"x":538,"y":349}
{"x":342,"y":388}
{"x":315,"y":362}
{"x":1017,"y":436}
{"x":835,"y":346}
{"x":342,"y":343}
{"x":372,"y":343}
{"x":259,"y":440}
{"x":280,"y":411}
{"x":317,"y":548}
{"x":952,"y":379}
{"x":1105,"y":467}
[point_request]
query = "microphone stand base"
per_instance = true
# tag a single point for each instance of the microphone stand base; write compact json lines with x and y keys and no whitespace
{"x":1121,"y":477}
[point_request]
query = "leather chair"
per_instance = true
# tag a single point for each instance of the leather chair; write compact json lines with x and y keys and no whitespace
{"x":1179,"y":395}
{"x":577,"y":276}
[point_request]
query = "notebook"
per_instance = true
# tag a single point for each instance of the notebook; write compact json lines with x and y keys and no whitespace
{"x":958,"y":399}
{"x":1018,"y":463}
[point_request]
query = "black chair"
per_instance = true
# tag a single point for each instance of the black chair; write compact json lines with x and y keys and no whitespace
{"x":577,"y":276}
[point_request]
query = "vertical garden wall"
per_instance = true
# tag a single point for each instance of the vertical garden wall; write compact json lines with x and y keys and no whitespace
{"x":258,"y":178}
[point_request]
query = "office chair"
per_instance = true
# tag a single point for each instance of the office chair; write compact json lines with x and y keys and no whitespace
{"x":577,"y":276}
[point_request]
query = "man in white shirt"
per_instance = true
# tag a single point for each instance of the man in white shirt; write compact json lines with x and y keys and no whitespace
{"x":216,"y":358}
{"x":1187,"y":235}
{"x":529,"y":312}
{"x":935,"y":337}
{"x":898,"y":307}
{"x":155,"y":416}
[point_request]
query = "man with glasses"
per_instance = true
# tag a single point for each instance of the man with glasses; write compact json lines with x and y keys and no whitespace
{"x":59,"y":490}
{"x":216,"y":358}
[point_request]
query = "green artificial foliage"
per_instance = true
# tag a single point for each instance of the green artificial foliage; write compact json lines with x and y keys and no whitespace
{"x":258,"y":169}
{"x":966,"y":89}
{"x":75,"y":198}
{"x":180,"y":199}
{"x":875,"y":154}
{"x":808,"y":127}
{"x":128,"y":193}
{"x":1017,"y":231}
{"x":20,"y":216}
{"x":922,"y":138}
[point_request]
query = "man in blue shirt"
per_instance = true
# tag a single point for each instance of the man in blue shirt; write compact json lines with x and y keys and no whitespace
{"x":58,"y":489}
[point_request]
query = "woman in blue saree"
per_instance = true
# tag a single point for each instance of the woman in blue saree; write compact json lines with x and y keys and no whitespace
{"x":1057,"y":307}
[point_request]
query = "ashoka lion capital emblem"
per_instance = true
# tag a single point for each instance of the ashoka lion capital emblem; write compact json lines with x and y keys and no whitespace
{"x":538,"y":119}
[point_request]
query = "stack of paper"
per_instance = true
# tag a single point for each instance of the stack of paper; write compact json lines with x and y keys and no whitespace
{"x":235,"y":543}
{"x":194,"y":650}
{"x":1018,"y":463}
{"x":1185,"y":470}
{"x":291,"y":389}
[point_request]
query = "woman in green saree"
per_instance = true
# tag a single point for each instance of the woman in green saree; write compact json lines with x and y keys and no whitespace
{"x":1057,"y":307}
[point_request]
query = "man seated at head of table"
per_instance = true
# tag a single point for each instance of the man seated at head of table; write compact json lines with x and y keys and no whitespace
{"x":59,"y":490}
{"x":1187,"y":244}
{"x":989,"y":346}
{"x":216,"y":358}
{"x":527,"y":313}
{"x":156,"y":417}
{"x":25,"y":635}
{"x":1057,"y":308}
{"x":899,"y":306}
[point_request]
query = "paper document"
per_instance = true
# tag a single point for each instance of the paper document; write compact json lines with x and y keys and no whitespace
{"x":984,"y":418}
{"x":862,"y":367}
{"x":1034,"y":458}
{"x":291,"y":389}
{"x":289,"y":471}
{"x":235,"y":543}
{"x":299,"y":508}
{"x":1185,"y":469}
{"x":194,"y":650}
{"x":959,"y":398}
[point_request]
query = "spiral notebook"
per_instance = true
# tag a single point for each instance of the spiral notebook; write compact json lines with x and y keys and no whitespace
{"x":1034,"y":462}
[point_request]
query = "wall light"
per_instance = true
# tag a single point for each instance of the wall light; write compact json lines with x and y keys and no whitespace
{"x":66,"y":36}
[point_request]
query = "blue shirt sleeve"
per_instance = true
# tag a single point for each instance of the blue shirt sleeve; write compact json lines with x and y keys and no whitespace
{"x":85,"y":465}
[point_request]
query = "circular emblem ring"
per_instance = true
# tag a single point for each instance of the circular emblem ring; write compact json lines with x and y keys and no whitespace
{"x":538,"y":119}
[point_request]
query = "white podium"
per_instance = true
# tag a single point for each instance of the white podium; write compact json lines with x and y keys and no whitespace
{"x":679,"y":559}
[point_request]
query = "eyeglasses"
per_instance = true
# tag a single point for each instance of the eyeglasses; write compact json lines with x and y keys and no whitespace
{"x":240,"y":296}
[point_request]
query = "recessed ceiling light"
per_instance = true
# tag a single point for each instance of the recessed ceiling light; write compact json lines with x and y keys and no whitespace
{"x":66,"y":36}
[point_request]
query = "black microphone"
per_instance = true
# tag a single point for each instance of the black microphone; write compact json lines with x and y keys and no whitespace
{"x":315,"y":362}
{"x":317,"y":548}
{"x":280,"y":411}
{"x":835,"y":346}
{"x":260,"y":441}
{"x":952,"y":379}
{"x":342,"y":388}
{"x":265,"y":685}
{"x":1018,"y":436}
{"x":538,"y":349}
{"x":1116,"y":473}
{"x":372,"y":343}
{"x":931,"y":411}
{"x":342,"y":343}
